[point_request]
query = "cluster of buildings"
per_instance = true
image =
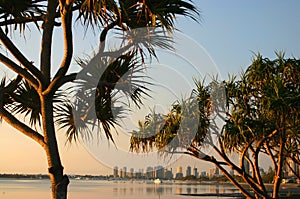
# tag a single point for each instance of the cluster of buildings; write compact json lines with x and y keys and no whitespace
{"x":150,"y":173}
{"x":163,"y":173}
{"x":160,"y":172}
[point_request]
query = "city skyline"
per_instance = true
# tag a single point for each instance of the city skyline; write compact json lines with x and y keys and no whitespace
{"x":164,"y":173}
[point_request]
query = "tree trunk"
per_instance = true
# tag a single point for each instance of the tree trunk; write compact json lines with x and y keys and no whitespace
{"x":59,"y":181}
{"x":278,"y":172}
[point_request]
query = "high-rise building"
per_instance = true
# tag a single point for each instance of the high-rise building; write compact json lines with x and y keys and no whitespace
{"x":188,"y":171}
{"x":179,"y":170}
{"x":203,"y":174}
{"x":159,"y":172}
{"x":179,"y":173}
{"x":138,"y":174}
{"x":124,"y":172}
{"x":149,"y":173}
{"x":121,"y":173}
{"x":115,"y":172}
{"x":195,"y":172}
{"x":131,"y":174}
{"x":168,"y":174}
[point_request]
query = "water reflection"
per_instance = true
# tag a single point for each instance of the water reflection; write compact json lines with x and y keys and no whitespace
{"x":79,"y":189}
{"x":150,"y":189}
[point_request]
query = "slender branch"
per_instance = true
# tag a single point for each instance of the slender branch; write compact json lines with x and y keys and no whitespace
{"x":271,"y":155}
{"x":19,"y":56}
{"x":256,"y":153}
{"x":48,"y":26}
{"x":244,"y":154}
{"x":246,"y":177}
{"x":19,"y":70}
{"x":246,"y":157}
{"x":66,"y":18}
{"x":26,"y":130}
{"x":64,"y":80}
{"x":278,"y":172}
{"x":297,"y":161}
{"x":232,"y":180}
{"x":218,"y":164}
{"x":207,"y":158}
{"x":256,"y":169}
{"x":104,"y":34}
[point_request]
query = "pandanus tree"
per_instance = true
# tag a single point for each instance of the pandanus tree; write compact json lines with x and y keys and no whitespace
{"x":260,"y":114}
{"x":39,"y":94}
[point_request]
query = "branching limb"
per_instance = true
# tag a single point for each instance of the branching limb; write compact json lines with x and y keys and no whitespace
{"x":66,"y":19}
{"x":255,"y":168}
{"x":244,"y":154}
{"x":256,"y":153}
{"x":47,"y":39}
{"x":270,"y":153}
{"x":104,"y":34}
{"x":66,"y":79}
{"x":246,"y":177}
{"x":19,"y":70}
{"x":17,"y":124}
{"x":278,"y":172}
{"x":218,"y":164}
{"x":20,"y":57}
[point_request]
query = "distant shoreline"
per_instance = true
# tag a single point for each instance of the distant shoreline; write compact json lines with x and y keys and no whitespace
{"x":101,"y":177}
{"x":172,"y":181}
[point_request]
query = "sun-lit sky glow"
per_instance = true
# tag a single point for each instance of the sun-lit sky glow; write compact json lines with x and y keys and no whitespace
{"x":229,"y":31}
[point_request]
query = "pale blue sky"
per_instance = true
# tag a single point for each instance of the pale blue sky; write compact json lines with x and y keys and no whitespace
{"x":230,"y":31}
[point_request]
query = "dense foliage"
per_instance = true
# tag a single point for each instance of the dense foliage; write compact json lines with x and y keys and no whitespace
{"x":36,"y":92}
{"x":260,"y":111}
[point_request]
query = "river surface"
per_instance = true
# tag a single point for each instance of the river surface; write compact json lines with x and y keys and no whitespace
{"x":96,"y":189}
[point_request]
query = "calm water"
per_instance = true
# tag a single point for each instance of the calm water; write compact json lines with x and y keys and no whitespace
{"x":78,"y":189}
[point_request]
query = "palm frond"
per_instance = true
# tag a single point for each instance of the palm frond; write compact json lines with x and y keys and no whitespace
{"x":100,"y":90}
{"x":5,"y":97}
{"x":67,"y":118}
{"x":20,"y":9}
{"x":92,"y":12}
{"x":27,"y":102}
{"x":156,"y":13}
{"x":130,"y":14}
{"x":146,"y":40}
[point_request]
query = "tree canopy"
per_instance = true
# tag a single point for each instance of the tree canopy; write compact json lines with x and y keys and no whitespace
{"x":260,"y":111}
{"x":36,"y":92}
